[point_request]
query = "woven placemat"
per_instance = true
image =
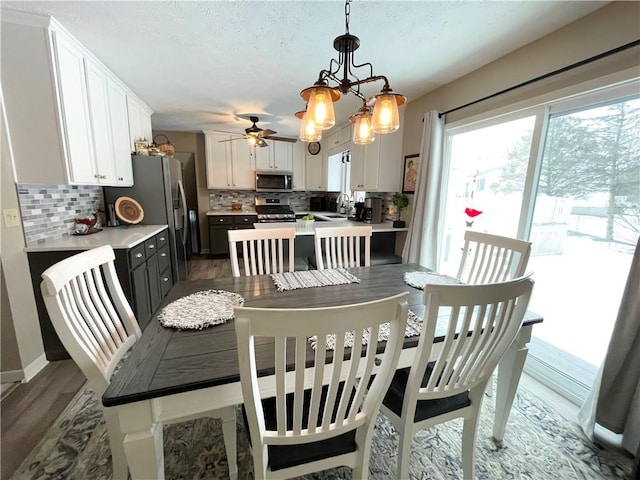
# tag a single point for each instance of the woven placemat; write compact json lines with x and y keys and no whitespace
{"x":420,"y":279}
{"x":413,"y":329}
{"x":312,"y":278}
{"x":200,"y":310}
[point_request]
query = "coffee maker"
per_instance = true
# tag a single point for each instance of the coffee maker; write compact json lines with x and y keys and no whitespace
{"x":372,"y":210}
{"x":359,"y":215}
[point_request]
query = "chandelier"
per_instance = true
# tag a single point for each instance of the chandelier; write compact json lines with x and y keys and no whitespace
{"x":378,"y":114}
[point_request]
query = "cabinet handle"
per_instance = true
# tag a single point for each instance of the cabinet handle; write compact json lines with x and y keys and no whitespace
{"x":163,"y":254}
{"x":245,"y":220}
{"x":120,"y":179}
{"x":162,"y":239}
{"x":152,"y":246}
{"x":221,"y":219}
{"x":139,"y":255}
{"x":165,"y":279}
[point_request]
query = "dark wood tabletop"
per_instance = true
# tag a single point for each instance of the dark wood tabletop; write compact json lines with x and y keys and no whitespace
{"x":167,"y":361}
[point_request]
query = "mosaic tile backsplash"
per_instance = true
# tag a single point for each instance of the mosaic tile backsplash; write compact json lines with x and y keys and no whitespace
{"x":48,"y":211}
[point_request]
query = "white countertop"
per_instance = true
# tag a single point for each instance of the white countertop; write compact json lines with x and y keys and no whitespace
{"x":118,"y":237}
{"x":310,"y":230}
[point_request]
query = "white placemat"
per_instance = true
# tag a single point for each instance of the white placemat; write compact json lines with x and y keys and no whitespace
{"x":200,"y":310}
{"x":312,"y":278}
{"x":420,"y":279}
{"x":414,"y":327}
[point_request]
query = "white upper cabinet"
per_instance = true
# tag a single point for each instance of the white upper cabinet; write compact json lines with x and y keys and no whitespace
{"x":67,"y":113}
{"x":139,"y":121}
{"x":377,"y":167}
{"x":275,"y":156}
{"x":229,"y":163}
{"x":316,"y":170}
{"x":339,"y":140}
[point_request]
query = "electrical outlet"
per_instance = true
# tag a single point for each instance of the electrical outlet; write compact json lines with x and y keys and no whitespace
{"x":11,"y":217}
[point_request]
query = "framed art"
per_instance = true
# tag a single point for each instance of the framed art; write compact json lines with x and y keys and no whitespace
{"x":410,"y":173}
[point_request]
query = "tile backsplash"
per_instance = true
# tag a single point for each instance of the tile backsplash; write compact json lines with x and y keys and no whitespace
{"x":48,"y":211}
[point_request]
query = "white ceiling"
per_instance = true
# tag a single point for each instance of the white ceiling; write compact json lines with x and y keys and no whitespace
{"x":208,"y":65}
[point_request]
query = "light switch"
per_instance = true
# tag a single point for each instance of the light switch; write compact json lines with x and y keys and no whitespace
{"x":11,"y":217}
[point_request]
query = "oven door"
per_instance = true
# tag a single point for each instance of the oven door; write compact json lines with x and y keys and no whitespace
{"x":268,"y":181}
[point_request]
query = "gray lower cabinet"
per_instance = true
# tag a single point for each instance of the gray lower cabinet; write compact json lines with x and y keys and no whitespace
{"x":144,"y":272}
{"x":219,"y":225}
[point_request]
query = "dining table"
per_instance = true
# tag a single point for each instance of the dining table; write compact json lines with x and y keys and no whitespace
{"x":169,"y":371}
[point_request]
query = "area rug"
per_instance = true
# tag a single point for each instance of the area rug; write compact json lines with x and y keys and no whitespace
{"x":539,"y":444}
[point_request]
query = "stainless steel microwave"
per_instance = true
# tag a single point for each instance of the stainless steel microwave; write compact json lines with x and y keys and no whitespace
{"x":270,"y":181}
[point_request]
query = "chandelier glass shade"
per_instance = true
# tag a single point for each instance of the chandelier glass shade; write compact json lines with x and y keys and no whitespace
{"x":320,"y":96}
{"x":363,"y":133}
{"x":309,"y":131}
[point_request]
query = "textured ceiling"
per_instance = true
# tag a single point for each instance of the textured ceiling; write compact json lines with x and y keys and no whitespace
{"x":209,"y":65}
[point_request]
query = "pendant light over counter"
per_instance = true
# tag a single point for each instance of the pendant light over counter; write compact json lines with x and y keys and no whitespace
{"x":379,"y":113}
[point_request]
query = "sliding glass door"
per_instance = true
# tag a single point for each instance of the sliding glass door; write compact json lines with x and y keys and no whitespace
{"x":567,"y":177}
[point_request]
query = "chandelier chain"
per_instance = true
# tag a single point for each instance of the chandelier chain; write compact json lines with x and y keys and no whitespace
{"x":347,"y":10}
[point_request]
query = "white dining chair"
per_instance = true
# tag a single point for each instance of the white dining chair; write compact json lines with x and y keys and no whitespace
{"x":479,"y":323}
{"x":326,"y":402}
{"x":340,"y":247}
{"x":96,"y":325}
{"x":488,"y":258}
{"x":263,"y":251}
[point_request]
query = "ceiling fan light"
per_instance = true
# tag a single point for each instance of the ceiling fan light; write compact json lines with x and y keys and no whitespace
{"x":362,"y":127}
{"x":251,"y":140}
{"x":309,"y":131}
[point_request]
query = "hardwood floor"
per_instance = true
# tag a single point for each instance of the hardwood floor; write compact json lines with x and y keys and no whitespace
{"x":28,"y":410}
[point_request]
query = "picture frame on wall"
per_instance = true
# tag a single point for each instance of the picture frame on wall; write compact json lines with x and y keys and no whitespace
{"x":410,"y":173}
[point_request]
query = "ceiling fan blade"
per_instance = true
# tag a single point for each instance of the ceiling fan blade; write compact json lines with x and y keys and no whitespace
{"x":231,"y":139}
{"x":261,"y":143}
{"x":282,"y":139}
{"x":266,"y":132}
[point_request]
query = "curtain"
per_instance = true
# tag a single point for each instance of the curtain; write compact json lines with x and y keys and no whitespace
{"x":614,"y":400}
{"x":422,"y":245}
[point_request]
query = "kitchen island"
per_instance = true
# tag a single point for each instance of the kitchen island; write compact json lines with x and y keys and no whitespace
{"x":383,"y":240}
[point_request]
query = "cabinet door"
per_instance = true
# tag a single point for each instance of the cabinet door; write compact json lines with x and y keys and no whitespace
{"x":141,"y":301}
{"x":118,"y":116}
{"x":139,"y":121}
{"x":299,"y":166}
{"x":218,"y":240}
{"x":316,"y":170}
{"x":218,"y":158}
{"x":390,"y":164}
{"x":264,"y":157}
{"x":75,"y":111}
{"x":155,"y":294}
{"x":357,"y":167}
{"x":98,"y":93}
{"x":242,"y":167}
{"x":282,"y":156}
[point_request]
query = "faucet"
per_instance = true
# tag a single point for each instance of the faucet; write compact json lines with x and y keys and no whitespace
{"x":341,"y":206}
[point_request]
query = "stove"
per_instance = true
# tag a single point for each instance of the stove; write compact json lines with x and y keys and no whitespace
{"x":271,"y":210}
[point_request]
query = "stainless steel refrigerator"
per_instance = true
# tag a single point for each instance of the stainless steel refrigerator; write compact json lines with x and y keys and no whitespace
{"x":158,"y":187}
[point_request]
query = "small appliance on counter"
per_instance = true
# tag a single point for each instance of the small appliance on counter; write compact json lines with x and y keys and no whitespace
{"x":318,"y":204}
{"x":372,"y":210}
{"x":359,"y":215}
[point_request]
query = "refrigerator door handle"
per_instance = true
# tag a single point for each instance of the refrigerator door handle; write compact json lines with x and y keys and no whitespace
{"x":185,"y":213}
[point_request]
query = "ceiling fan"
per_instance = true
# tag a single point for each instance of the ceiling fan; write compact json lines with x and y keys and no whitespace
{"x":256,"y":136}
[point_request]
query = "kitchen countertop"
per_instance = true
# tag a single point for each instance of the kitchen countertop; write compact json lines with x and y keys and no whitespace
{"x":310,"y":230}
{"x":231,"y":212}
{"x":123,"y":237}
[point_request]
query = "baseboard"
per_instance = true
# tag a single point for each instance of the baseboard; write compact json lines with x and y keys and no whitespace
{"x":34,"y":367}
{"x":553,"y":378}
{"x":11,"y":376}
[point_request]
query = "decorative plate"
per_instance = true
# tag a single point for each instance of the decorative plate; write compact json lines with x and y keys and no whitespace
{"x":128,"y":210}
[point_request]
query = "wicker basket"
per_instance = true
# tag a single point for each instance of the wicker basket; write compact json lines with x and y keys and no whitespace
{"x":167,"y":148}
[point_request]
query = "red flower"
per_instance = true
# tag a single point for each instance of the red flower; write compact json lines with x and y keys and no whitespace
{"x":472,"y":212}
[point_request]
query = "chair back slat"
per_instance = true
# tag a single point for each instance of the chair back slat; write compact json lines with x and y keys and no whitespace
{"x":482,"y":321}
{"x":90,"y":313}
{"x":488,"y":258}
{"x":340,"y":247}
{"x":263,"y":250}
{"x":329,"y":392}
